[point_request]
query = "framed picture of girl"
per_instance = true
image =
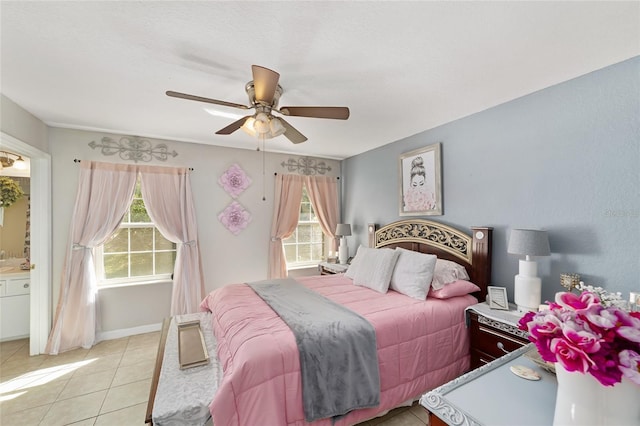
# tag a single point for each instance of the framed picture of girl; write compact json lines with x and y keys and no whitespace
{"x":420,"y":182}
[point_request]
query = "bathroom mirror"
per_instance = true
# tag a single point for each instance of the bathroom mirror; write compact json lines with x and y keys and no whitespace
{"x":14,"y":232}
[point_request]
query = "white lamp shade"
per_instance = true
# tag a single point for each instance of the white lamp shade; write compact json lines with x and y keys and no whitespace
{"x":261,"y":124}
{"x":276,"y":127}
{"x":343,"y":230}
{"x":529,"y":242}
{"x":248,"y":126}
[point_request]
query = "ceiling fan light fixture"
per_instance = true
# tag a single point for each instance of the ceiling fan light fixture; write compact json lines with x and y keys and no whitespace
{"x":264,"y":95}
{"x":276,"y":127}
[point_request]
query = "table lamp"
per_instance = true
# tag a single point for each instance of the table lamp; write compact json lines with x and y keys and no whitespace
{"x":343,"y":230}
{"x":527,"y":284}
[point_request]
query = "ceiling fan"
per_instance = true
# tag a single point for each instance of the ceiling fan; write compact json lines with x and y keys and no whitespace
{"x":264,"y":93}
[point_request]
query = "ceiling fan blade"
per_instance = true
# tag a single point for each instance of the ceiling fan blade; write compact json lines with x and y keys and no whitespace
{"x":233,"y":126}
{"x":339,"y":113}
{"x":207,"y":100}
{"x":265,"y":82}
{"x":291,"y":133}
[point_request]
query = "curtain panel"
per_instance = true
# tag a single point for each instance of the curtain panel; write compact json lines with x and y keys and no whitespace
{"x":167,"y":195}
{"x":323,"y":194}
{"x":105,"y":192}
{"x":286,"y":212}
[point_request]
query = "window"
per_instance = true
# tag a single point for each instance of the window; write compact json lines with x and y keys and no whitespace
{"x":137,"y":251}
{"x":306,"y":245}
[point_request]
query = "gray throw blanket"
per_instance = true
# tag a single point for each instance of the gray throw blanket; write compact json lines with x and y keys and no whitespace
{"x":338,"y":357}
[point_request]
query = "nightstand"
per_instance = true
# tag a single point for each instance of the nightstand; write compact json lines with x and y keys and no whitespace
{"x":327,"y":268}
{"x":494,"y":333}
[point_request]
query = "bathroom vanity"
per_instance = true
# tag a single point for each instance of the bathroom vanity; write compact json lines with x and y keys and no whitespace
{"x":14,"y":302}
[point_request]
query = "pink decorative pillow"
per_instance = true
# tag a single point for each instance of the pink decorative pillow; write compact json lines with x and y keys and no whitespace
{"x":456,"y":288}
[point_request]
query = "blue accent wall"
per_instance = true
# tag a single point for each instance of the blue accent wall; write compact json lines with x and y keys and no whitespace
{"x":565,"y":159}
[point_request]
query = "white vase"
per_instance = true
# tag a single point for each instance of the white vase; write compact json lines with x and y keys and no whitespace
{"x":583,"y":401}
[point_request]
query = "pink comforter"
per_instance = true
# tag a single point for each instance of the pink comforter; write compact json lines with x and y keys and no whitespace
{"x":421,"y":345}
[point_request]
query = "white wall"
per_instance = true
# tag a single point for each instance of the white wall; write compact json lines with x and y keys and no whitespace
{"x":226,"y":258}
{"x":23,"y":125}
{"x":134,"y":306}
{"x":564,"y":159}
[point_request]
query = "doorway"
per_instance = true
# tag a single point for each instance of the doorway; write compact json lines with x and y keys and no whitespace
{"x":40,"y":250}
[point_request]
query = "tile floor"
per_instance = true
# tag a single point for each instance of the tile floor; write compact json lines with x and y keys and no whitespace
{"x":107,"y":385}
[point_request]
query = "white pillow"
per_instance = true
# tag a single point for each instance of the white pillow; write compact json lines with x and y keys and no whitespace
{"x":413,"y":273}
{"x":447,"y":272}
{"x":375,"y":268}
{"x":353,"y":266}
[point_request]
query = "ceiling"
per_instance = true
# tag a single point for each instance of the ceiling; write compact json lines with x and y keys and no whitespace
{"x":401,"y":67}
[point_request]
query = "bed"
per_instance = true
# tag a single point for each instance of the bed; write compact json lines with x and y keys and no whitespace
{"x":421,"y":344}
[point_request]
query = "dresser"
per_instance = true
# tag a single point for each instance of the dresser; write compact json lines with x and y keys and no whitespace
{"x":494,"y":333}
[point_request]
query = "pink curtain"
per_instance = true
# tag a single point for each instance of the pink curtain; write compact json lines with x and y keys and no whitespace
{"x":104,"y":194}
{"x":167,"y":195}
{"x":323,"y":193}
{"x":286,"y":212}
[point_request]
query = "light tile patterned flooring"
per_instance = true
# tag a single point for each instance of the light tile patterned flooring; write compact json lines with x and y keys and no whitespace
{"x":107,"y":385}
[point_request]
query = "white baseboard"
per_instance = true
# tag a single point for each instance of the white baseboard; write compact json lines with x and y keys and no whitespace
{"x":126,"y":332}
{"x":8,"y":339}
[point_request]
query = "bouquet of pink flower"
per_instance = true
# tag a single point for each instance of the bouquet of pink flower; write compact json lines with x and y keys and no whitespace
{"x":583,"y":335}
{"x":418,"y":199}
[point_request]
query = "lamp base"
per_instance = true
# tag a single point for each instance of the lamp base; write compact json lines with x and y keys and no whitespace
{"x":527,"y":293}
{"x":343,"y":251}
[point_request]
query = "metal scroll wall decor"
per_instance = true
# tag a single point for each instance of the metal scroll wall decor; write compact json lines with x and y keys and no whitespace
{"x":134,"y":149}
{"x":306,"y":166}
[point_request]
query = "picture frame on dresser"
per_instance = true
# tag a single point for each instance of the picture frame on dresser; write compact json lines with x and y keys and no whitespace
{"x":497,"y":298}
{"x":420,"y":192}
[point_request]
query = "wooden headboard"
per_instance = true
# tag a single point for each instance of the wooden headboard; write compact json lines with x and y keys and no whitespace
{"x":473,"y":251}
